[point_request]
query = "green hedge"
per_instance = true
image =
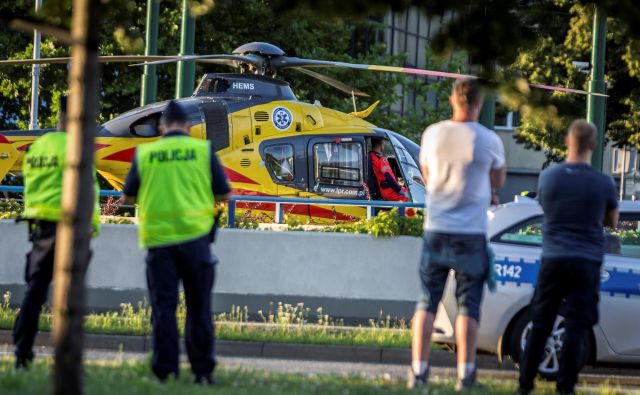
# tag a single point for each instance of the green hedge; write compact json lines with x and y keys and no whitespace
{"x":385,"y":224}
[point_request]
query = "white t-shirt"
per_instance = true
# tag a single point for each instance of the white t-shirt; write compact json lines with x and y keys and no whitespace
{"x":459,"y":156}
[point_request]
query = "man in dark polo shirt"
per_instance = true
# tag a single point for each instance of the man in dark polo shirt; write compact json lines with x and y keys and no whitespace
{"x":577,"y":201}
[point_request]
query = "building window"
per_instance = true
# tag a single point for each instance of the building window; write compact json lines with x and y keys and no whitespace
{"x":338,"y":163}
{"x":280,"y":160}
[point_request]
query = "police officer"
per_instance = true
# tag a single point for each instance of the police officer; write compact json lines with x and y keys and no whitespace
{"x":42,"y":171}
{"x":385,"y":179}
{"x":177,"y":180}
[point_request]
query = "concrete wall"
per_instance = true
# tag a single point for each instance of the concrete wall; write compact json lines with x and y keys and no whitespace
{"x":354,"y":276}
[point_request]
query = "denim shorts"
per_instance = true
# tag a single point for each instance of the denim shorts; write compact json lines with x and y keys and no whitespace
{"x":466,"y":254}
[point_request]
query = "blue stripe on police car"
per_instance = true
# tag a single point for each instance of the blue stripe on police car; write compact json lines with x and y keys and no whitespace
{"x":614,"y":281}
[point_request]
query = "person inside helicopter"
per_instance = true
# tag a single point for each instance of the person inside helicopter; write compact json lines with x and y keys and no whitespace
{"x":383,"y":184}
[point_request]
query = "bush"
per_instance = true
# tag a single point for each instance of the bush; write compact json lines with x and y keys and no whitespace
{"x":385,"y":224}
{"x":10,"y":208}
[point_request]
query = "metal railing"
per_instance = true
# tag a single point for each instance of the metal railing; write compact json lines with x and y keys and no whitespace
{"x":371,"y":205}
{"x":20,"y":189}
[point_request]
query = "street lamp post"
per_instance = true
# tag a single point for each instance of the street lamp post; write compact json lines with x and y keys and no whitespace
{"x":35,"y":75}
{"x":186,"y":70}
{"x":488,"y":112}
{"x":149,"y":78}
{"x":596,"y":105}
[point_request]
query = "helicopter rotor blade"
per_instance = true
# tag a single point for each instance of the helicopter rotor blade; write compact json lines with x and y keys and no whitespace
{"x":341,"y":86}
{"x":63,"y":60}
{"x":566,"y":90}
{"x":230,"y":60}
{"x":288,"y":62}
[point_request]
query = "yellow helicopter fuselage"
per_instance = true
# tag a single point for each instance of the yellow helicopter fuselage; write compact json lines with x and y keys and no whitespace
{"x":269,"y":146}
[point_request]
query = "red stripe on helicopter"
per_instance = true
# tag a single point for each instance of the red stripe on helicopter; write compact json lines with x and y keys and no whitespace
{"x":234,"y":176}
{"x":122,"y":156}
{"x":297,"y":209}
{"x":101,"y":146}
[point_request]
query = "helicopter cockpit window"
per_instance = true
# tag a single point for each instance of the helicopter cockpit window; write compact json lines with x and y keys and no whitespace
{"x":338,"y":163}
{"x":280,"y":159}
{"x":219,"y":85}
{"x":146,"y":126}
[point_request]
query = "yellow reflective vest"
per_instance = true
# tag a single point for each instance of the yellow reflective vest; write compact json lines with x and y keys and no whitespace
{"x":175,"y":199}
{"x":42,"y":170}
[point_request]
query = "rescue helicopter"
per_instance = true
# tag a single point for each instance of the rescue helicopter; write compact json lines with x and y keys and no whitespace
{"x":270,"y":143}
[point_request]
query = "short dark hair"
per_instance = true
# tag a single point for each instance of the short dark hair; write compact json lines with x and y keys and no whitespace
{"x":582,"y":135}
{"x":376,"y":141}
{"x":467,"y":92}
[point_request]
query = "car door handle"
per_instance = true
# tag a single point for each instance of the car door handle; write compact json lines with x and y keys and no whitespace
{"x":4,"y":156}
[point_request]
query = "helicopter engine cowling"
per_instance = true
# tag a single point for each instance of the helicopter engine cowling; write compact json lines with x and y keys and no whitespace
{"x":251,"y":86}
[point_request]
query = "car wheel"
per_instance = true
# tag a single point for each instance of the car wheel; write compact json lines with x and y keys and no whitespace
{"x":550,"y":364}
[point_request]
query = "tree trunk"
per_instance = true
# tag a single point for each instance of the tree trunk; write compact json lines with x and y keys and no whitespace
{"x":74,"y":229}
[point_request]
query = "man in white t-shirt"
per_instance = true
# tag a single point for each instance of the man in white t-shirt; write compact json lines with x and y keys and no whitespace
{"x":463,"y":163}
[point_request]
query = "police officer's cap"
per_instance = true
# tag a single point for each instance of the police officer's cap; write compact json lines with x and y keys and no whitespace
{"x":174,"y":113}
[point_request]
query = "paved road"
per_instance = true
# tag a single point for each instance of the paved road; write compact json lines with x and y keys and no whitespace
{"x":630,"y":384}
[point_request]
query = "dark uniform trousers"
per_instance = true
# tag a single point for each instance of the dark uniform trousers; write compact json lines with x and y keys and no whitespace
{"x":576,"y":282}
{"x":38,"y":276}
{"x":192,"y":263}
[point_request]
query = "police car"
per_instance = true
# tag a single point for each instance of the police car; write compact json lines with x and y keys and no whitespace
{"x":515,"y":233}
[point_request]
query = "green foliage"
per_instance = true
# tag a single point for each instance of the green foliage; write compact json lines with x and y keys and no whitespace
{"x":247,"y":220}
{"x":628,"y":237}
{"x":294,"y":225}
{"x":123,"y":20}
{"x":286,"y":323}
{"x":134,"y":377}
{"x":10,"y":208}
{"x":124,"y":220}
{"x":222,"y":29}
{"x":385,"y":224}
{"x":561,"y":41}
{"x":531,"y":230}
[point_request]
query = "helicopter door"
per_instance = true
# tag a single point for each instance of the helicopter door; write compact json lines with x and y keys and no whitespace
{"x":288,"y":172}
{"x":336,"y":167}
{"x":217,"y":124}
{"x":408,"y":171}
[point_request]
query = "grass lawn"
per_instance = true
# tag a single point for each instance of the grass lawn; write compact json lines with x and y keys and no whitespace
{"x":284,"y":324}
{"x":129,"y":378}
